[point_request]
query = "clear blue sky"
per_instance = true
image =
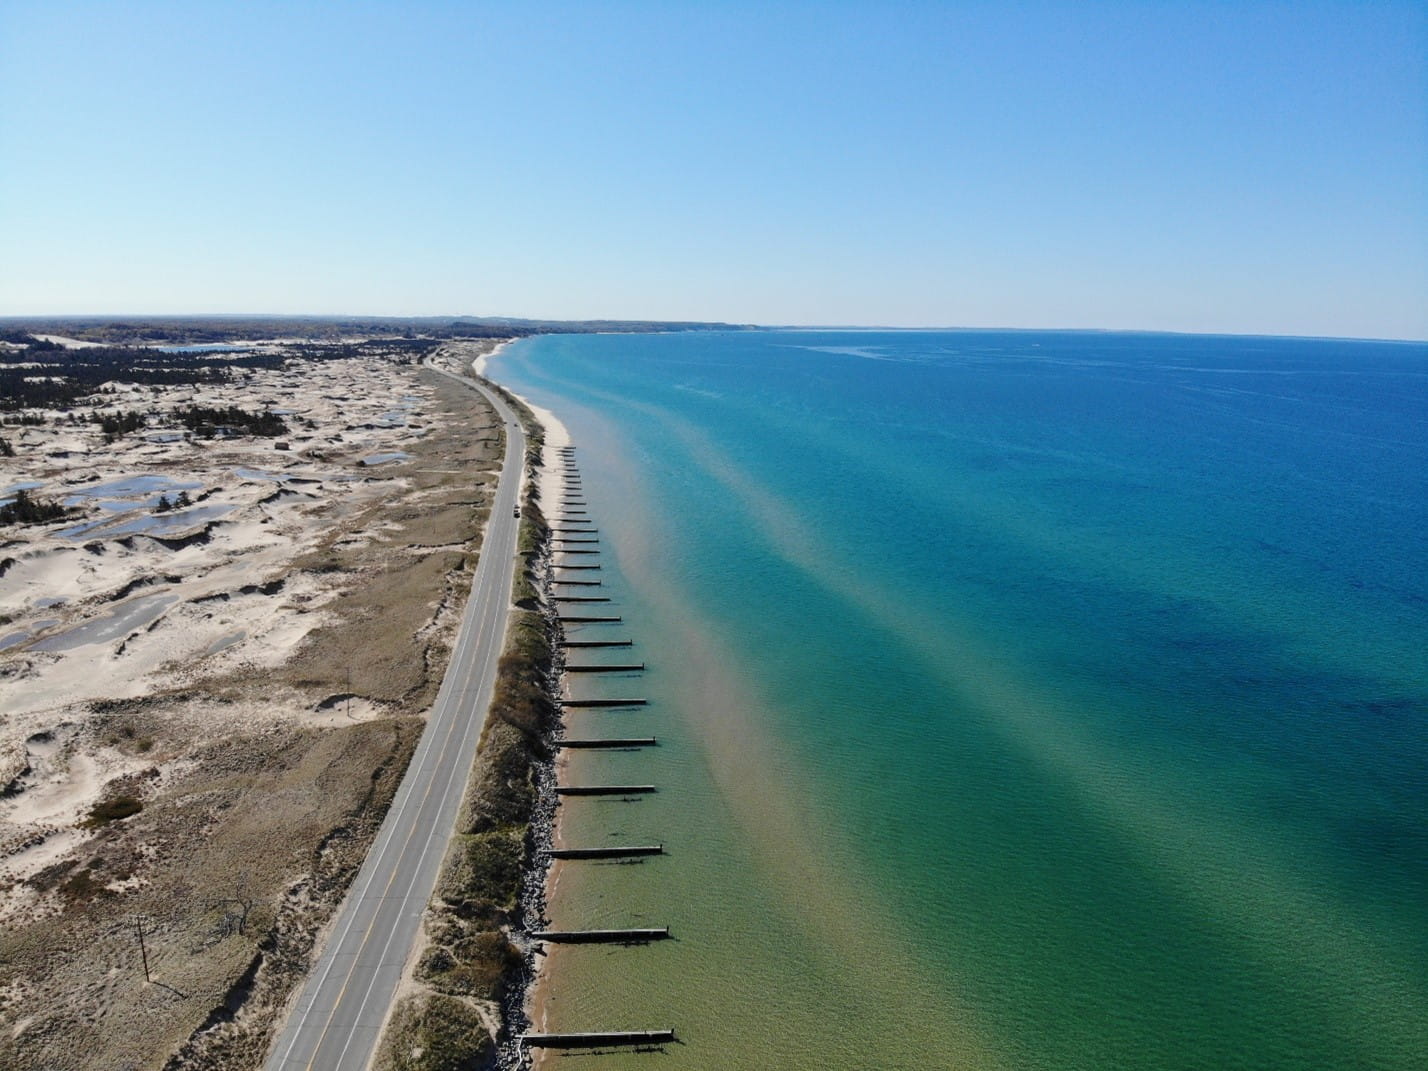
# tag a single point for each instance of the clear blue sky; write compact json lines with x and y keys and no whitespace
{"x":1183,"y":166}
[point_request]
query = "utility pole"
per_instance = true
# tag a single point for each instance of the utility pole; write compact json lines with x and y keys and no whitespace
{"x":143,"y":952}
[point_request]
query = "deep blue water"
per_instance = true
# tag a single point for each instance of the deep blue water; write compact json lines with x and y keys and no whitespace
{"x":1083,"y":673}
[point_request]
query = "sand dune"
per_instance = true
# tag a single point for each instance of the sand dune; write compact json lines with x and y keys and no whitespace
{"x":248,"y":670}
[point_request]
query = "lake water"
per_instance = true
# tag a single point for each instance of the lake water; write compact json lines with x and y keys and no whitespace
{"x":1025,"y":699}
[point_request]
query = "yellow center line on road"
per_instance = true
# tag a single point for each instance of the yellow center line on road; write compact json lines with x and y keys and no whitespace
{"x":488,"y":599}
{"x":451,"y":728}
{"x":366,"y":936}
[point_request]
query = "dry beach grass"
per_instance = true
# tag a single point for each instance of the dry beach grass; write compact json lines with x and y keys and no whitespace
{"x":213,"y":775}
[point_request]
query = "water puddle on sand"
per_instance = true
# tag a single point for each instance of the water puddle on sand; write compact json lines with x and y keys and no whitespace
{"x":170,"y":522}
{"x":128,"y":487}
{"x":16,"y":638}
{"x":243,"y":472}
{"x":156,"y":524}
{"x":225,"y":642}
{"x":132,"y":615}
{"x":383,"y":459}
{"x":80,"y":529}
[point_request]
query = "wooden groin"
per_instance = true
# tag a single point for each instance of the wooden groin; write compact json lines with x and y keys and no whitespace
{"x":597,"y":643}
{"x":591,"y":703}
{"x":633,"y":667}
{"x":628,"y":851}
{"x":610,"y":742}
{"x":598,"y":1040}
{"x":626,"y":937}
{"x":589,"y":620}
{"x":575,"y":531}
{"x":579,"y":583}
{"x":582,"y":598}
{"x":603,"y":790}
{"x":562,"y":550}
{"x":585,"y":567}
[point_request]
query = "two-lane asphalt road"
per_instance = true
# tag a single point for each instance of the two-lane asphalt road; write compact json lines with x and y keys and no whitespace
{"x":338,"y":1017}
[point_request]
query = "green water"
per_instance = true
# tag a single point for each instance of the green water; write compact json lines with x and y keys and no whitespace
{"x":1016,"y":709}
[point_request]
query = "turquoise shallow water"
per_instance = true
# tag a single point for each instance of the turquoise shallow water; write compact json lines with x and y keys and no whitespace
{"x":1027,"y":699}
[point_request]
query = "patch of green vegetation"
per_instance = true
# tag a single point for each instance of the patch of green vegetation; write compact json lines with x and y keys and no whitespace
{"x":478,"y":893}
{"x":477,"y":966}
{"x":209,"y":421}
{"x":112,"y":810}
{"x":483,"y":877}
{"x":503,"y":791}
{"x":125,"y":732}
{"x":524,"y":593}
{"x":23,"y":509}
{"x":82,"y":887}
{"x":434,"y":1033}
{"x":115,"y":425}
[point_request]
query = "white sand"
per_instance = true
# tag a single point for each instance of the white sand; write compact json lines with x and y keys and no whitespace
{"x":68,"y":343}
{"x":556,"y":436}
{"x":479,"y":364}
{"x":115,"y":613}
{"x":556,"y":433}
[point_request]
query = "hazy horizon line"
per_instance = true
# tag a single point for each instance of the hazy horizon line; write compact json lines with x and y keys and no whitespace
{"x":745,"y":325}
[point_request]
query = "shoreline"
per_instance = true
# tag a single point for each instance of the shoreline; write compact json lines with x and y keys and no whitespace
{"x":544,"y":873}
{"x":478,"y":366}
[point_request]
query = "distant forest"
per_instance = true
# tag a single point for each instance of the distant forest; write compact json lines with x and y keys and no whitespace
{"x":42,"y":375}
{"x":198,"y":330}
{"x":36,"y":374}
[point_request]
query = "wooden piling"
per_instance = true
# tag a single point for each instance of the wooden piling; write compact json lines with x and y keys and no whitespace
{"x":598,"y":1040}
{"x":626,"y":852}
{"x":603,"y":936}
{"x":603,"y":790}
{"x":590,"y":703}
